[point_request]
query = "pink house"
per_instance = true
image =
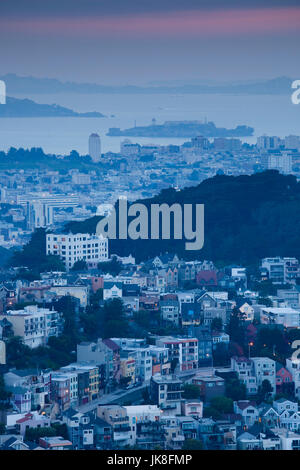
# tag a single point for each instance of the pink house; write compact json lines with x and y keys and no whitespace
{"x":283,"y":376}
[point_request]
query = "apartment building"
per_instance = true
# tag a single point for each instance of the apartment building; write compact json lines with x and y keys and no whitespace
{"x":183,"y":351}
{"x":244,"y":369}
{"x":76,"y":247}
{"x":34,"y":324}
{"x":166,"y":392}
{"x":281,"y":270}
{"x":264,"y":368}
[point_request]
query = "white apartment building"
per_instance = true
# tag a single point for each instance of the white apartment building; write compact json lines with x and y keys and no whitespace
{"x":75,"y":247}
{"x":281,"y":270}
{"x":287,"y":316}
{"x":182,"y":350}
{"x":293,"y":366}
{"x":141,"y":414}
{"x":292,"y":142}
{"x":244,"y":368}
{"x":34,"y":325}
{"x":264,"y":369}
{"x":281,"y":162}
{"x":143,"y":362}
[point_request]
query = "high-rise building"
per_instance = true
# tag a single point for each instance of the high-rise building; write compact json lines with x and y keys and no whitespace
{"x":95,"y":147}
{"x":268,"y":143}
{"x":280,"y":161}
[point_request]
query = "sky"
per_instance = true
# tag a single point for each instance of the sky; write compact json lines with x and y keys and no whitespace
{"x":141,"y":41}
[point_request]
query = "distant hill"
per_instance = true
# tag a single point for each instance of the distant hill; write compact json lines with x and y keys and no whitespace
{"x":32,"y":85}
{"x":182,"y":129}
{"x":15,"y":107}
{"x":246,"y":218}
{"x":5,"y":256}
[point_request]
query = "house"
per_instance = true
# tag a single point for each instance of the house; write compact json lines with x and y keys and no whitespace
{"x":206,"y":300}
{"x":55,"y":443}
{"x":220,"y":337}
{"x":166,"y":392}
{"x":116,"y":417}
{"x":182,"y":351}
{"x":290,"y":420}
{"x":170,"y":311}
{"x":150,"y":435}
{"x":193,"y":408}
{"x":34,"y":325}
{"x":286,"y":316}
{"x":14,"y":443}
{"x":32,"y":421}
{"x":80,"y":292}
{"x":191,"y":313}
{"x":284,"y":379}
{"x":210,"y":385}
{"x":288,"y":440}
{"x":20,"y":399}
{"x":80,"y":429}
{"x":127,"y":366}
{"x":211,"y":313}
{"x":248,"y":441}
{"x":149,"y":302}
{"x":112,"y":290}
{"x":103,"y":434}
{"x":248,"y":410}
{"x":247,"y":312}
{"x":269,"y":416}
{"x":115,"y":350}
{"x":294,"y":368}
{"x":244,"y":369}
{"x":141,"y":414}
{"x":204,"y":337}
{"x":264,"y":368}
{"x":174,"y":437}
{"x":160,"y":360}
{"x":207,"y":278}
{"x":37,"y":382}
{"x":282,"y":404}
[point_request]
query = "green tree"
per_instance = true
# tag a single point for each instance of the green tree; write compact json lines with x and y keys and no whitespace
{"x":33,"y":255}
{"x":222,"y":404}
{"x":235,"y":389}
{"x":114,"y":318}
{"x":2,"y":428}
{"x":191,"y":391}
{"x":112,"y":267}
{"x":192,"y":444}
{"x":235,"y":328}
{"x":264,"y":390}
{"x":79,"y":265}
{"x":217,"y":324}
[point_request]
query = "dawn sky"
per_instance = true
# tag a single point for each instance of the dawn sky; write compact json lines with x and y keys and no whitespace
{"x":137,"y":41}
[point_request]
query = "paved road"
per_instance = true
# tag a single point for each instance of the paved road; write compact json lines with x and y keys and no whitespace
{"x":110,"y":398}
{"x":118,"y":394}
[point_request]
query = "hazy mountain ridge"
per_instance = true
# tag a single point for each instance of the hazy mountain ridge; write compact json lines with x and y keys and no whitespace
{"x":16,"y":107}
{"x":33,"y":85}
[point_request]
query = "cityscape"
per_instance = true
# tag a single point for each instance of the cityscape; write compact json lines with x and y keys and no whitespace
{"x":130,"y":342}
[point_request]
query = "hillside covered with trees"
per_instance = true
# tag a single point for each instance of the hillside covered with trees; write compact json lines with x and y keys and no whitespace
{"x":246,"y":218}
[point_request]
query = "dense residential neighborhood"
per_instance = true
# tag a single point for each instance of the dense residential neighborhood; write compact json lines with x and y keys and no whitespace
{"x":162,"y":354}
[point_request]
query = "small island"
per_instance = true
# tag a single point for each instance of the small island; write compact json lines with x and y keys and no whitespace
{"x":181,"y":129}
{"x":19,"y":108}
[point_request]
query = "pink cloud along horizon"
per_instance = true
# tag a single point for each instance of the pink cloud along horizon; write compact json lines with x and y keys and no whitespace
{"x":234,"y":22}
